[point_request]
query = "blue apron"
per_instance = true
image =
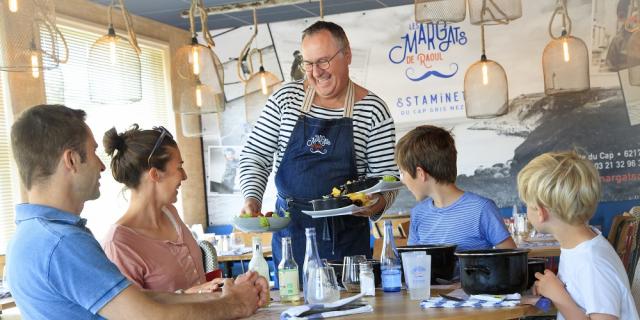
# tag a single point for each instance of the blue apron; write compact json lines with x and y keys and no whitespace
{"x":320,"y":155}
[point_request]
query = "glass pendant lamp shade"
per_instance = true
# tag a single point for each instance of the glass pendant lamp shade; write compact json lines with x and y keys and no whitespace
{"x":199,"y":98}
{"x":487,"y":12}
{"x":565,"y":64}
{"x":257,"y":90}
{"x":440,"y":10}
{"x":114,"y":70}
{"x":197,"y":60}
{"x":486,"y":92}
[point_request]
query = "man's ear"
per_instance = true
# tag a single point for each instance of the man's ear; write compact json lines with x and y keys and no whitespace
{"x":421,"y":174}
{"x":70,"y":159}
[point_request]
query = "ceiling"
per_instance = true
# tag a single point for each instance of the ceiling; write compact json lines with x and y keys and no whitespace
{"x":169,"y":11}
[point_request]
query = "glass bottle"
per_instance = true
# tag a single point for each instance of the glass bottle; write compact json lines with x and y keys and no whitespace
{"x":367,"y":280}
{"x":288,"y":274}
{"x":390,"y":261}
{"x":258,"y":263}
{"x":311,"y":258}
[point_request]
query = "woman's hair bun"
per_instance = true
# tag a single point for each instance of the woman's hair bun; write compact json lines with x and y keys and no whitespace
{"x":113,"y":141}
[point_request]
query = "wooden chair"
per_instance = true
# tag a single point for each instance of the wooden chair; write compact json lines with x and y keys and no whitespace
{"x":404,"y":229}
{"x":377,"y":246}
{"x":623,"y":236}
{"x":378,"y":228}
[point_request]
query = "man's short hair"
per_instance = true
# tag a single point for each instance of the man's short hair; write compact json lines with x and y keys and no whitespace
{"x":336,"y":31}
{"x":565,"y":183}
{"x":40,"y":136}
{"x":430,"y":148}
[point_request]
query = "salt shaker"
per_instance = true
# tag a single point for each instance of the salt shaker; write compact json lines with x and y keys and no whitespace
{"x":367,"y":283}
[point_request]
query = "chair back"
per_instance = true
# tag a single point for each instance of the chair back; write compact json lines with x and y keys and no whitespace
{"x":209,"y":256}
{"x":623,"y":236}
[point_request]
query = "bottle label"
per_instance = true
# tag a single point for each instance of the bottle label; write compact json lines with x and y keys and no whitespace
{"x":391,"y":279}
{"x":288,"y":281}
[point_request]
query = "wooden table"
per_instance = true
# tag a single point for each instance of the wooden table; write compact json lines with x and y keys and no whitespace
{"x":397,"y":305}
{"x":544,"y":251}
{"x":228,"y":260}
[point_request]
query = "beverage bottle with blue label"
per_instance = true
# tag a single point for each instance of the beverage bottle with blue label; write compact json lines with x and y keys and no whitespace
{"x":390,"y":261}
{"x":311,"y":259}
{"x":288,"y":274}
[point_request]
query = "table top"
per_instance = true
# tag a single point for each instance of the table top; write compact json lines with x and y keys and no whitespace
{"x":397,"y":305}
{"x":266,"y":252}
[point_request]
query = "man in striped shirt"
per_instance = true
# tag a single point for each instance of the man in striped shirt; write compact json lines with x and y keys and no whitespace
{"x":316,"y":134}
{"x":445,"y":214}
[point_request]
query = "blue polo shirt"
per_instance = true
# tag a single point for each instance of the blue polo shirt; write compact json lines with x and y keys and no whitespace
{"x":56,"y":267}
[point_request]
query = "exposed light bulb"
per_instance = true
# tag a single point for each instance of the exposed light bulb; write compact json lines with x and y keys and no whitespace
{"x":35,"y":65}
{"x":13,"y":5}
{"x":485,"y":75}
{"x":565,"y":50}
{"x":112,"y":47}
{"x":199,"y":96}
{"x":263,"y":83}
{"x":196,"y":63}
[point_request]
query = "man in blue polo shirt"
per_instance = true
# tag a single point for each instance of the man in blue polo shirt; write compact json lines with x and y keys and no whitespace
{"x":57,"y":268}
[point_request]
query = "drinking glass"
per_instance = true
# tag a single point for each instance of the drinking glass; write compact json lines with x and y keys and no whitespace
{"x":351,"y":272}
{"x":322,"y":285}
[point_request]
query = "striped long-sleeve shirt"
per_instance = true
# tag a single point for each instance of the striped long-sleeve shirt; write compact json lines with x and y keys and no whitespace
{"x":373,"y":135}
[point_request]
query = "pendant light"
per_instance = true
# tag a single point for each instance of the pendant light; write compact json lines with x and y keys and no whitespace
{"x":436,"y":11}
{"x":201,"y":68}
{"x":632,"y":25}
{"x":565,"y":60}
{"x":486,"y":92}
{"x":35,"y":43}
{"x":261,"y":84}
{"x":114,"y":63}
{"x":494,"y":11}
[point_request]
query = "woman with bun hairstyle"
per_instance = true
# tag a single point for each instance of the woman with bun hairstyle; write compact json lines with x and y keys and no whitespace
{"x":150,"y":244}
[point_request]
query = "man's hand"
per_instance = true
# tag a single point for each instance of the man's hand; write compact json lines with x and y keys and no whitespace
{"x":242,"y":296}
{"x":251,"y":206}
{"x":374,"y":209}
{"x":260,"y":283}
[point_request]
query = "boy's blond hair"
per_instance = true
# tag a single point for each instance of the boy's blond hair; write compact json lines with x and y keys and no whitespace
{"x":563,"y":182}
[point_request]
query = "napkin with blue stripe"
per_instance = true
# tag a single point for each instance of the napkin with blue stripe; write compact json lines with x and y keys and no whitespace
{"x":473,"y":301}
{"x":339,"y":308}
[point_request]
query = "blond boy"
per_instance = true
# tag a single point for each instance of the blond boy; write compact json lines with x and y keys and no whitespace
{"x":561,"y":191}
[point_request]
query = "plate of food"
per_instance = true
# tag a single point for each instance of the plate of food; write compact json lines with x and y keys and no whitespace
{"x":368,"y":185}
{"x":331,"y":206}
{"x":268,"y":222}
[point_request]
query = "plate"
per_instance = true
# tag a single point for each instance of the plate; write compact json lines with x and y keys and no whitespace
{"x":384,"y":186}
{"x":350,"y":209}
{"x":253,"y":224}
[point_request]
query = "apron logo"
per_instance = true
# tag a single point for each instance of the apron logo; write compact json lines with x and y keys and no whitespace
{"x":317,"y":144}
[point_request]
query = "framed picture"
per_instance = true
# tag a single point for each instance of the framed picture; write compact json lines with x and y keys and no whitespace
{"x":222,"y":170}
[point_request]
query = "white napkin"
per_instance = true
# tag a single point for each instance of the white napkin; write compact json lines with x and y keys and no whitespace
{"x":326,"y":310}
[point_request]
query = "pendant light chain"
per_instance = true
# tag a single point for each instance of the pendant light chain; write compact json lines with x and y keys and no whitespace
{"x":245,"y":53}
{"x":321,"y":10}
{"x":484,"y":56}
{"x":485,"y":9}
{"x":561,"y":9}
{"x":128,"y":22}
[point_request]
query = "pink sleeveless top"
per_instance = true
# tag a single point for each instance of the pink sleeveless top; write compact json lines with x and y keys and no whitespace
{"x":157,"y":265}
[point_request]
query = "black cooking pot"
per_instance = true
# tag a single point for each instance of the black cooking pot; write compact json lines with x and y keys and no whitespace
{"x":443,"y":260}
{"x":535,"y":265}
{"x":377,"y":276}
{"x":493,"y":271}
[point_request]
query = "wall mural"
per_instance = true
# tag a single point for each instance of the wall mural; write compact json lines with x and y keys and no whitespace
{"x":418,"y":69}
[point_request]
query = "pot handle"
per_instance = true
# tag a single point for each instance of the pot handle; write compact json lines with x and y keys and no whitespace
{"x":473,"y":268}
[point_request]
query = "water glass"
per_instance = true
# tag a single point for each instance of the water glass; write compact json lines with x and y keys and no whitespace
{"x":417,"y":274}
{"x":322,"y":285}
{"x":351,"y":272}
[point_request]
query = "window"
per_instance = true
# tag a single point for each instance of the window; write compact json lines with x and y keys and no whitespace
{"x":7,"y":181}
{"x":69,"y":85}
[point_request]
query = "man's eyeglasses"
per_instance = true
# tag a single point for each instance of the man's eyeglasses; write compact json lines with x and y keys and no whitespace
{"x":163,"y":133}
{"x":322,"y":63}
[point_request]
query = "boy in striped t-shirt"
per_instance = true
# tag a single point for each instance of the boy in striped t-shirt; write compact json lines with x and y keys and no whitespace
{"x":426,"y":157}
